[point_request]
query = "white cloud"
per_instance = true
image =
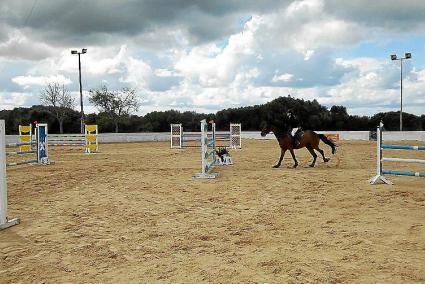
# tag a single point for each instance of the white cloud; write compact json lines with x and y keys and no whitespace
{"x":137,"y":72}
{"x":165,"y":73}
{"x":308,"y":54}
{"x":97,"y":60}
{"x":286,"y":77}
{"x":212,"y":66}
{"x":27,"y":81}
{"x":19,"y":46}
{"x":298,"y":38}
{"x":13,"y":99}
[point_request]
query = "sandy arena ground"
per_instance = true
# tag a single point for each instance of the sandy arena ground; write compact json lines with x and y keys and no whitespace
{"x":133,"y":214}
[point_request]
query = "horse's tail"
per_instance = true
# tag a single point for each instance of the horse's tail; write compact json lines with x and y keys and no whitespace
{"x":329,"y":142}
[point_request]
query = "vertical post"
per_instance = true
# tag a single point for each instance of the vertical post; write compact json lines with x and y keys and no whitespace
{"x":81,"y":94}
{"x":379,"y":151}
{"x":171,"y":136}
{"x":213,"y":138}
{"x":204,"y":142}
{"x":97,"y":136}
{"x":180,"y":135}
{"x":3,"y":183}
{"x":379,"y":176}
{"x":42,"y":144}
{"x":401,"y":94}
{"x":5,"y":222}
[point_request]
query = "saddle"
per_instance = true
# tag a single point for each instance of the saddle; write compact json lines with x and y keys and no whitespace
{"x":299,"y":133}
{"x":297,"y":137}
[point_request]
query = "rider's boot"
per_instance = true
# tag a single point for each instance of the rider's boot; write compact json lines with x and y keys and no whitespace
{"x":295,"y":142}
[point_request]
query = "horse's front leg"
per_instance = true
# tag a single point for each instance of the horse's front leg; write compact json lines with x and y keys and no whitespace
{"x":294,"y":158}
{"x":282,"y":153}
{"x":311,"y":150}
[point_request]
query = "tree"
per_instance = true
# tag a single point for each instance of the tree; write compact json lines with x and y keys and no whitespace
{"x":60,"y":101}
{"x":117,"y":104}
{"x":339,"y":117}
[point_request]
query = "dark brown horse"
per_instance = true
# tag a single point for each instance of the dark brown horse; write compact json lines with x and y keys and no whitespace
{"x":309,"y":140}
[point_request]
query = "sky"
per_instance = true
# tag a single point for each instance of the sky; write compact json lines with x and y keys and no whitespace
{"x":210,"y":55}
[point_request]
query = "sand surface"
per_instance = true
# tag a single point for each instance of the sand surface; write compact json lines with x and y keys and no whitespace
{"x":133,"y":214}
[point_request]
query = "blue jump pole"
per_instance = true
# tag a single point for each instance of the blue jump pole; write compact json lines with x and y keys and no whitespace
{"x":402,"y":147}
{"x":402,"y":173}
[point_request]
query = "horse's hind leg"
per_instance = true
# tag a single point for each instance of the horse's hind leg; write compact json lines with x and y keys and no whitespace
{"x":293,"y":157}
{"x":310,"y":149}
{"x":323,"y":154}
{"x":282,"y":153}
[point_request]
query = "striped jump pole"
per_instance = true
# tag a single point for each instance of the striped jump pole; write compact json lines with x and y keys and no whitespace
{"x":380,"y":171}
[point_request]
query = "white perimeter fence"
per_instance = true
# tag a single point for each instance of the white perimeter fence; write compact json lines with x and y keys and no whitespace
{"x":165,"y":136}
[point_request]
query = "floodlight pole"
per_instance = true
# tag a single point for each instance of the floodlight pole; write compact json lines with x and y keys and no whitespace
{"x":84,"y":50}
{"x":394,"y":57}
{"x":401,"y":94}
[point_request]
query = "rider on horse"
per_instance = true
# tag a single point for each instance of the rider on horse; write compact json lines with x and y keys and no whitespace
{"x":294,"y":129}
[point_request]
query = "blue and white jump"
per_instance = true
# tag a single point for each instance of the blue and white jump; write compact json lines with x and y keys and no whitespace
{"x":380,"y":172}
{"x":208,"y":152}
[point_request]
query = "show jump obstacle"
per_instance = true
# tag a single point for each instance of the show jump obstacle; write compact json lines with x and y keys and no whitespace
{"x":208,"y":152}
{"x":180,"y":139}
{"x":87,"y":142}
{"x":41,"y":152}
{"x":380,"y":172}
{"x":26,"y":145}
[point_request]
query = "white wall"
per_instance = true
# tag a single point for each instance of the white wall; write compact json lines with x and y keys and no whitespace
{"x":165,"y":136}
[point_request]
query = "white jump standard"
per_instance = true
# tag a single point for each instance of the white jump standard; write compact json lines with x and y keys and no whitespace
{"x":380,"y":172}
{"x":5,"y":222}
{"x":208,"y":153}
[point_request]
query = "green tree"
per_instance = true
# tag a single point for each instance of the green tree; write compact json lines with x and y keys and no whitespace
{"x":117,"y":104}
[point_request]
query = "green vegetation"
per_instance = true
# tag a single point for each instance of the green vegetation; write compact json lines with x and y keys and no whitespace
{"x":311,"y":114}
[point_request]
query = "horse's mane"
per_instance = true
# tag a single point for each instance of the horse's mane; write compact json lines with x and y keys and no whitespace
{"x":280,"y":126}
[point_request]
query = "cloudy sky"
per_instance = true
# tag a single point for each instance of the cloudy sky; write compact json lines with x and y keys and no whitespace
{"x":208,"y":55}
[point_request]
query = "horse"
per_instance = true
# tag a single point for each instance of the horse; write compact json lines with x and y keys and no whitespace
{"x":309,"y":140}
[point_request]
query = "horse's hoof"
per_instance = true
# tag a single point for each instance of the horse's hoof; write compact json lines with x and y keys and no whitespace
{"x":327,"y":160}
{"x":275,"y":166}
{"x":311,"y":165}
{"x":294,"y":166}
